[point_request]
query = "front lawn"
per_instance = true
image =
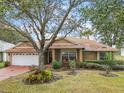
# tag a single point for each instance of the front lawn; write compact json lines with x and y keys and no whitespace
{"x":86,"y":81}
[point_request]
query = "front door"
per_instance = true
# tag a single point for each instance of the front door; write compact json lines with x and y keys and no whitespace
{"x":65,"y":59}
{"x":49,"y":56}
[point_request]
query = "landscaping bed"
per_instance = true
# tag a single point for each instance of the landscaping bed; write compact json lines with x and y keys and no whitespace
{"x":86,"y":82}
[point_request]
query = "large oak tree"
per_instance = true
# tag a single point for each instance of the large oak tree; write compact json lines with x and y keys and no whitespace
{"x":34,"y":19}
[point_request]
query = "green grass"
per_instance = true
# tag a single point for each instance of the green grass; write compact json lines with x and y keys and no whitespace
{"x":2,"y":64}
{"x":85,"y":82}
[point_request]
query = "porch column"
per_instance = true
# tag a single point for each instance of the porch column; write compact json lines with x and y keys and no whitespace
{"x":98,"y":56}
{"x":53,"y":54}
{"x":80,"y":55}
{"x":10,"y":58}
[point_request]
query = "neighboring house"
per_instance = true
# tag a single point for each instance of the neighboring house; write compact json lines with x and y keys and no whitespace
{"x":62,"y":50}
{"x":122,"y":51}
{"x":3,"y":47}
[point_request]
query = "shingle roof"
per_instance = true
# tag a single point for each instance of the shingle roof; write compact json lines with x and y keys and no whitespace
{"x":88,"y":45}
{"x":91,"y":45}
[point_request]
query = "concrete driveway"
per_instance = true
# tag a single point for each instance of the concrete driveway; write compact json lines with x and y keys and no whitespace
{"x":10,"y":71}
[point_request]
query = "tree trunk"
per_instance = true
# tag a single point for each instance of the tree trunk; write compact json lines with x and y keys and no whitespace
{"x":41,"y":61}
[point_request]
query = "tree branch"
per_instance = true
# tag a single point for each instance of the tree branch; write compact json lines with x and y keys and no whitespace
{"x":22,"y":33}
{"x":59,"y":27}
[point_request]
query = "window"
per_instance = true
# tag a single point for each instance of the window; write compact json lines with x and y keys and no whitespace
{"x":67,"y":56}
{"x":72,"y":56}
{"x":102,"y":56}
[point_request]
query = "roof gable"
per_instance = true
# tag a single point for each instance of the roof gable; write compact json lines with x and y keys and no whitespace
{"x":63,"y":42}
{"x":24,"y":44}
{"x":88,"y":45}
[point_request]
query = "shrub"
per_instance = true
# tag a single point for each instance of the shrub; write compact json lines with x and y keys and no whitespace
{"x":2,"y":64}
{"x":32,"y":78}
{"x":72,"y":65}
{"x":108,"y":69}
{"x":84,"y":64}
{"x":93,"y":66}
{"x":46,"y":75}
{"x":38,"y":77}
{"x":105,"y":62}
{"x":102,"y":65}
{"x":120,"y":62}
{"x":79,"y":64}
{"x":118,"y":67}
{"x":7,"y":64}
{"x":108,"y":56}
{"x":33,"y":68}
{"x":56,"y":64}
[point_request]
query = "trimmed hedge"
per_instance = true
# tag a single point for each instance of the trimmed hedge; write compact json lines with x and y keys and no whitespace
{"x":102,"y":65}
{"x":110,"y":63}
{"x":118,"y":67}
{"x":93,"y":66}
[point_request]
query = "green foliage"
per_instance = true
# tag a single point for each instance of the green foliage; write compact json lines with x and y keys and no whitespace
{"x":118,"y":67}
{"x":7,"y":64}
{"x":56,"y":64}
{"x":111,"y":62}
{"x":10,"y":36}
{"x":107,"y":19}
{"x":87,"y":32}
{"x":119,"y":57}
{"x":31,"y":17}
{"x":2,"y":64}
{"x":72,"y":64}
{"x":46,"y":75}
{"x":38,"y":77}
{"x":108,"y":56}
{"x":108,"y":69}
{"x":33,"y":68}
{"x":93,"y":66}
{"x":103,"y":65}
{"x":79,"y":64}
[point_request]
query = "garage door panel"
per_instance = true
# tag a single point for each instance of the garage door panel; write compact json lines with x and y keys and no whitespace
{"x":24,"y":60}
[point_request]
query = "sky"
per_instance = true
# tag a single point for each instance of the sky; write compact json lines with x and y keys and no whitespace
{"x":88,"y":24}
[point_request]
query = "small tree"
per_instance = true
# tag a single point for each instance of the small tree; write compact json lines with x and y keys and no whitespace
{"x":72,"y":65}
{"x":34,"y":19}
{"x":108,"y":69}
{"x":108,"y":55}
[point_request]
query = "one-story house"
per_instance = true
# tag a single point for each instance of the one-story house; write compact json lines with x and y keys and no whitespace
{"x":70,"y":48}
{"x":3,"y":47}
{"x":122,"y":51}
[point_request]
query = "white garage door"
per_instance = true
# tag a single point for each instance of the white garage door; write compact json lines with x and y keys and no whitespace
{"x":24,"y":60}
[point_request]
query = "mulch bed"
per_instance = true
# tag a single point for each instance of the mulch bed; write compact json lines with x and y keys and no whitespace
{"x":108,"y":75}
{"x":55,"y":78}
